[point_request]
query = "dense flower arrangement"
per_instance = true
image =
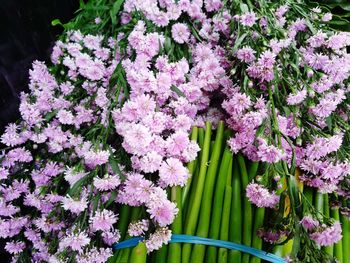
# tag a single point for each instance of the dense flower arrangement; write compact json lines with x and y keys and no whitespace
{"x":107,"y":127}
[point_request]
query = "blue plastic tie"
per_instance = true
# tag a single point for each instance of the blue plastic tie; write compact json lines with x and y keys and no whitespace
{"x":210,"y":242}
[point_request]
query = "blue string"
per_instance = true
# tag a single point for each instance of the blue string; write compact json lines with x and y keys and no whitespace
{"x":210,"y":242}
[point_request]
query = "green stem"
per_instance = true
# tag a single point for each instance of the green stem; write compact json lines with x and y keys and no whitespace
{"x":218,"y":202}
{"x":259,"y":216}
{"x":253,"y":169}
{"x":222,"y":257}
{"x":248,"y":211}
{"x":198,"y":252}
{"x":309,"y":195}
{"x":191,"y":168}
{"x":319,"y":202}
{"x":346,"y":236}
{"x":139,"y":254}
{"x":329,"y":249}
{"x":191,"y":197}
{"x":338,"y":247}
{"x":191,"y":220}
{"x":124,"y":254}
{"x":161,"y":255}
{"x":236,"y":215}
{"x":176,"y":227}
{"x":123,"y":221}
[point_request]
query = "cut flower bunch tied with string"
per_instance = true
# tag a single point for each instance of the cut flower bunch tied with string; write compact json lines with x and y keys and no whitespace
{"x":216,"y":119}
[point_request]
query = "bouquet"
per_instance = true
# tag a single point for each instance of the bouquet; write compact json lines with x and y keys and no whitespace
{"x":219,"y":119}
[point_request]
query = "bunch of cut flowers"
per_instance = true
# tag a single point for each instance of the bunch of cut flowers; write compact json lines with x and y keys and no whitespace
{"x":218,"y":119}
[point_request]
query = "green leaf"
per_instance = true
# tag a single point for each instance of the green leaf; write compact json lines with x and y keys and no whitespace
{"x":244,"y":8}
{"x":177,"y":91}
{"x":329,"y":122}
{"x":111,"y":199}
{"x":195,"y":33}
{"x":78,"y":185}
{"x":56,"y":22}
{"x":95,"y":201}
{"x":239,"y":42}
{"x":114,"y":11}
{"x":114,"y":164}
{"x":50,"y":115}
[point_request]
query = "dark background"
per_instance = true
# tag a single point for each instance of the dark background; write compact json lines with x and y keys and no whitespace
{"x":26,"y":34}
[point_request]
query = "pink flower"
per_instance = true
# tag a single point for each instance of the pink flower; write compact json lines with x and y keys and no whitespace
{"x":309,"y":223}
{"x":111,"y":237}
{"x":248,"y":19}
{"x":65,"y":117}
{"x":159,"y":238}
{"x":327,"y":17}
{"x":172,"y":172}
{"x":163,"y":212}
{"x":269,"y":153}
{"x":72,"y":176}
{"x":246,"y":54}
{"x":95,"y":158}
{"x":151,"y":162}
{"x":177,"y":143}
{"x":328,"y":236}
{"x":75,"y":242}
{"x":237,"y":104}
{"x":108,"y":183}
{"x":260,"y":196}
{"x":138,"y":228}
{"x":294,"y":99}
{"x":3,"y":173}
{"x":15,"y":247}
{"x":180,"y":33}
{"x":74,"y":206}
{"x":103,"y":220}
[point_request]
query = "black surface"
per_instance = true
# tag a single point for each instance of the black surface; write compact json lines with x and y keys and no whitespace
{"x":26,"y":34}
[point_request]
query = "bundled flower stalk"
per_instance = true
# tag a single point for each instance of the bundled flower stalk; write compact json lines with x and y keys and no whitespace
{"x":104,"y":149}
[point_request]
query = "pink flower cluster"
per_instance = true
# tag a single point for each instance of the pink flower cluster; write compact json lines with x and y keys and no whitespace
{"x":260,"y":196}
{"x":327,"y":236}
{"x":50,"y":154}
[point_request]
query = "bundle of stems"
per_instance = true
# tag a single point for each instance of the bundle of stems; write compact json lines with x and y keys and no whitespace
{"x":213,"y":204}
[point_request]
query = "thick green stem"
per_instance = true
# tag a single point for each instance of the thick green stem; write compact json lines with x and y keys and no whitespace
{"x":191,"y":220}
{"x":198,"y":252}
{"x":176,"y":227}
{"x":224,"y":231}
{"x":191,"y":168}
{"x":124,"y":254}
{"x":253,"y":169}
{"x":139,"y":254}
{"x":329,"y":249}
{"x":123,"y":221}
{"x":309,"y":195}
{"x":319,"y":202}
{"x":189,"y":202}
{"x":218,"y":203}
{"x":346,"y":237}
{"x":247,"y":208}
{"x":236,"y":214}
{"x":161,"y":255}
{"x":338,"y":247}
{"x":259,"y":216}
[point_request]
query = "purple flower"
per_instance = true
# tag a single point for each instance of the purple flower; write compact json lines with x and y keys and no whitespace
{"x":180,"y":33}
{"x":248,"y":19}
{"x":260,"y":196}
{"x":309,"y":223}
{"x":328,"y":236}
